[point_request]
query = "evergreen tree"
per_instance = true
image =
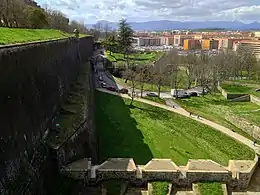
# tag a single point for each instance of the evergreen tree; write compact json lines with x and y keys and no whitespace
{"x":125,"y":37}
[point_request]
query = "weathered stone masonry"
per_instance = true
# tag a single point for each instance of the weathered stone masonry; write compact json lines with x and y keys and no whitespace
{"x":34,"y":79}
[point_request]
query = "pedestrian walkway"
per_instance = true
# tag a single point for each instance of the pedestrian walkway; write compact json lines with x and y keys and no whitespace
{"x":183,"y":112}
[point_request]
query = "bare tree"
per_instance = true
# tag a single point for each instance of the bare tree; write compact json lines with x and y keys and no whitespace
{"x":190,"y":63}
{"x":131,"y":74}
{"x":143,"y":76}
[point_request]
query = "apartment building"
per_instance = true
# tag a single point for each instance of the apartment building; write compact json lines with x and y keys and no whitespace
{"x":146,"y":41}
{"x":191,"y":44}
{"x":207,"y":44}
{"x":225,"y":44}
{"x":250,"y":44}
{"x":167,"y":40}
{"x":179,"y":39}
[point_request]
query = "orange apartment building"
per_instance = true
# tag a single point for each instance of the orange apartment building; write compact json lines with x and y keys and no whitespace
{"x":191,"y":44}
{"x":207,"y":44}
{"x":179,"y":39}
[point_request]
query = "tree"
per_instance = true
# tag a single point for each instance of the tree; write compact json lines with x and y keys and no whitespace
{"x":143,"y":76}
{"x":36,"y":17}
{"x":131,"y":74}
{"x":125,"y":37}
{"x":158,"y":72}
{"x":190,"y":63}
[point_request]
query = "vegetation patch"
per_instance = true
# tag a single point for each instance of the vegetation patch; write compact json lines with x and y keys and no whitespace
{"x":214,"y":107}
{"x":73,"y":110}
{"x":160,"y":188}
{"x":155,"y":99}
{"x":144,"y":132}
{"x":146,"y":87}
{"x":137,"y":58}
{"x":210,"y":188}
{"x":16,"y":35}
{"x":114,"y":186}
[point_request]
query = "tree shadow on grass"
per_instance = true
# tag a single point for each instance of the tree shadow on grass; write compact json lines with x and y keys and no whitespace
{"x":118,"y":135}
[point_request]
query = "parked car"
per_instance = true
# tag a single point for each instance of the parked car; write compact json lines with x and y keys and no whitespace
{"x":151,"y":94}
{"x":100,"y":78}
{"x":111,"y":88}
{"x":179,"y":93}
{"x":103,"y":84}
{"x":123,"y":90}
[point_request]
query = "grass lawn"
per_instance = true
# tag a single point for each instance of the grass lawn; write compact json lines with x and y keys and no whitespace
{"x":155,"y":99}
{"x":214,"y":107}
{"x":16,"y":35}
{"x":146,"y":132}
{"x":210,"y":189}
{"x":241,"y":87}
{"x":139,"y":58}
{"x":147,"y":86}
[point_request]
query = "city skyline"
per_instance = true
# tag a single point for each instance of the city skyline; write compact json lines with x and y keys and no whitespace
{"x":90,"y":11}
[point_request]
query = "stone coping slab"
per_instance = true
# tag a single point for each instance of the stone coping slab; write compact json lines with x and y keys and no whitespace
{"x":241,"y":165}
{"x":205,"y":165}
{"x":160,"y":165}
{"x":118,"y":164}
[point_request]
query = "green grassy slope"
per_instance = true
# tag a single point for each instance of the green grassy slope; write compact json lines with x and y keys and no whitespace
{"x":214,"y":107}
{"x":141,"y":58}
{"x":144,"y":132}
{"x":16,"y":35}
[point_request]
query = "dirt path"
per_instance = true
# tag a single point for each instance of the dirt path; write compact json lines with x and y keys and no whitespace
{"x":183,"y":112}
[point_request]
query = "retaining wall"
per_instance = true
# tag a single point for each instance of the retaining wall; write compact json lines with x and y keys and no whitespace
{"x":243,"y":124}
{"x":255,"y":99}
{"x":34,"y":79}
{"x":228,"y":95}
{"x":238,"y":173}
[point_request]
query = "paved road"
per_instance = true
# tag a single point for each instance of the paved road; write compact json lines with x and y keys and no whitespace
{"x":183,"y":112}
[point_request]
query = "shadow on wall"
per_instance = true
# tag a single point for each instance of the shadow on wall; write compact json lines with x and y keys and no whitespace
{"x":117,"y":133}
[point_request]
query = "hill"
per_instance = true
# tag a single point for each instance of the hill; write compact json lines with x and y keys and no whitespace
{"x":187,"y":25}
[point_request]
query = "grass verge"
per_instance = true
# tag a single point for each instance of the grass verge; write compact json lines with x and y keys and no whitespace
{"x":210,"y":188}
{"x":16,"y":35}
{"x":147,"y":86}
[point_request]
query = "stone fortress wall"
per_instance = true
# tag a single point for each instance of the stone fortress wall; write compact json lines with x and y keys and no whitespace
{"x":237,"y":174}
{"x":34,"y":79}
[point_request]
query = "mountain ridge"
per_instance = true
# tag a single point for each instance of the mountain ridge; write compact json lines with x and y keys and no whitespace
{"x":161,"y":25}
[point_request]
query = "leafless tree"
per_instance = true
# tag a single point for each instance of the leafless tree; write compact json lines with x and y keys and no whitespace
{"x":190,"y":64}
{"x":143,"y":76}
{"x":131,"y":74}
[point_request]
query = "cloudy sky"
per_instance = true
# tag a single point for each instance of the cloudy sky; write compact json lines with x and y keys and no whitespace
{"x":89,"y":11}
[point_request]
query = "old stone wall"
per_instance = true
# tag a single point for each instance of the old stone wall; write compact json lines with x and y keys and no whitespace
{"x":249,"y":128}
{"x":237,"y":175}
{"x":34,"y":79}
{"x":231,"y":96}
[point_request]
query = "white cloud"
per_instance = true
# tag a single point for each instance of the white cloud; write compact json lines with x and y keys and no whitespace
{"x":90,"y":11}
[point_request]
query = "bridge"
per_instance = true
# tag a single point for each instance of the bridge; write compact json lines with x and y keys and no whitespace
{"x":237,"y":174}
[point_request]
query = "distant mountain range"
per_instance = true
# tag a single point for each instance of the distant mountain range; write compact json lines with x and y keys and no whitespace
{"x":188,"y":25}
